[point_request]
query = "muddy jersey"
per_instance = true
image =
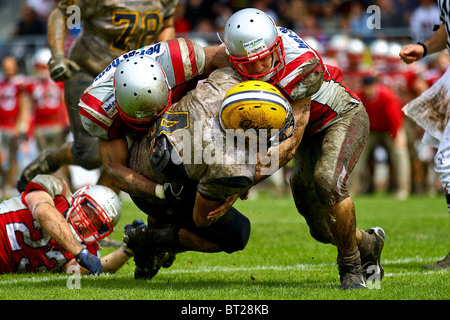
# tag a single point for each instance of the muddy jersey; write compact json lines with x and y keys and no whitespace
{"x":329,"y":99}
{"x":112,"y":27}
{"x":199,"y":143}
{"x":182,"y":60}
{"x":24,"y":246}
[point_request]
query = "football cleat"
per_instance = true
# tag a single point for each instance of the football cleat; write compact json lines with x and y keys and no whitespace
{"x":352,"y":280}
{"x":351,"y":273}
{"x":39,"y":165}
{"x":371,"y":263}
{"x":440,"y":265}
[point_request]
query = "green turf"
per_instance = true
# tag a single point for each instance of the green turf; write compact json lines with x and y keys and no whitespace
{"x":281,"y":261}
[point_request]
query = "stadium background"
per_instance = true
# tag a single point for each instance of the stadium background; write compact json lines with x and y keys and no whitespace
{"x":327,"y":25}
{"x":269,"y":269}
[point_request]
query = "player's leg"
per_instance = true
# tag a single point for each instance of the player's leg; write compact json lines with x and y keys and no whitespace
{"x":442,"y":161}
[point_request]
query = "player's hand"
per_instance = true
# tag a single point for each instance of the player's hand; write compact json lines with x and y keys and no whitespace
{"x":173,"y":191}
{"x":224,"y":207}
{"x":411,"y":53}
{"x":61,"y":68}
{"x":134,"y":235}
{"x":89,"y":261}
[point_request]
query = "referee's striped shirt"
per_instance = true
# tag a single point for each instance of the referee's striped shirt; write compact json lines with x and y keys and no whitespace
{"x":444,"y":7}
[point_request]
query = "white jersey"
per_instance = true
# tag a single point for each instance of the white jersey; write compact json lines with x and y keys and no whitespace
{"x":330,"y":98}
{"x":182,"y":61}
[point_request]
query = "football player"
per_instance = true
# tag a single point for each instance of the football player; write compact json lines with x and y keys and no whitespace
{"x":110,"y":29}
{"x":132,"y":92}
{"x":335,"y":135}
{"x":190,"y":142}
{"x":49,"y":229}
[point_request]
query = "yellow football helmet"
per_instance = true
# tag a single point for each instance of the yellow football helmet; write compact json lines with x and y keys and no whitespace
{"x":257,"y":105}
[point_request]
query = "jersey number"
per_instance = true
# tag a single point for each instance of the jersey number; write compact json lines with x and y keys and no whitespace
{"x":12,"y":228}
{"x":151,"y":23}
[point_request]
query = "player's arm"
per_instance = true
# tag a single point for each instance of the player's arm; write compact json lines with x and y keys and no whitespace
{"x":202,"y":208}
{"x":215,"y":58}
{"x":52,"y":221}
{"x":114,"y":156}
{"x":60,"y":68}
{"x":167,"y":31}
{"x":414,"y":52}
{"x":287,"y":148}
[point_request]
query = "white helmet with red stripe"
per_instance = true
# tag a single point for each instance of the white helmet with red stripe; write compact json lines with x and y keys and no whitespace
{"x":141,"y":90}
{"x":94,"y":212}
{"x":249,"y":35}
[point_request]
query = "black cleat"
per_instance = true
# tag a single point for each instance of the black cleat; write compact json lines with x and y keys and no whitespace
{"x":39,"y":165}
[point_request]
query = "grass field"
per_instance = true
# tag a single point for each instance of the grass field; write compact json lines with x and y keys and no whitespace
{"x":281,"y":261}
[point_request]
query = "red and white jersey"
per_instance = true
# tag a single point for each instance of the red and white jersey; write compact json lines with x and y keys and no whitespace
{"x":24,"y":246}
{"x":49,"y":108}
{"x":182,"y":60}
{"x":10,"y":91}
{"x":402,"y":82}
{"x":113,"y":27}
{"x":328,"y":102}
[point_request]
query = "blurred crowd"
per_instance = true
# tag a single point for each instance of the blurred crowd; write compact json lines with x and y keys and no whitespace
{"x":363,"y":38}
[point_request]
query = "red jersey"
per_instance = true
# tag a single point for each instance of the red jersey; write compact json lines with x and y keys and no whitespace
{"x":24,"y":246}
{"x":384,"y":110}
{"x":49,"y":108}
{"x":10,"y":101}
{"x":402,"y":82}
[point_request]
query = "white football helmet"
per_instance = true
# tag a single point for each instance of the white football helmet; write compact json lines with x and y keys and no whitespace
{"x":141,"y":90}
{"x":107,"y":207}
{"x":42,"y":56}
{"x":251,"y":34}
{"x":379,"y":48}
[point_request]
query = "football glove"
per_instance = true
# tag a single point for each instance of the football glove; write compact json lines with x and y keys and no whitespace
{"x":89,"y":261}
{"x":61,"y":68}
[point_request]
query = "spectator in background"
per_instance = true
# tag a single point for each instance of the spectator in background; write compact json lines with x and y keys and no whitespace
{"x":386,"y":128}
{"x":50,"y":120}
{"x":407,"y":83}
{"x":358,"y":21}
{"x":423,"y":19}
{"x":29,"y":23}
{"x":330,"y":18}
{"x":14,"y":123}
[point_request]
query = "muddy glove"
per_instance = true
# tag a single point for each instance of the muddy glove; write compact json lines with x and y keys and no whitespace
{"x":61,"y":68}
{"x":89,"y":261}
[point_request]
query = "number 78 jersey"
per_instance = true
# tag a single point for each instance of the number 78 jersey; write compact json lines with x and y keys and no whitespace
{"x":113,"y":27}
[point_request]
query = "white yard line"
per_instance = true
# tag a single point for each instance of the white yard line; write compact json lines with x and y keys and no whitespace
{"x":299,"y":267}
